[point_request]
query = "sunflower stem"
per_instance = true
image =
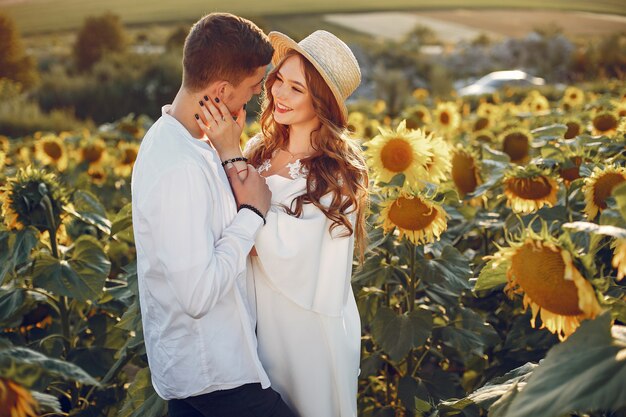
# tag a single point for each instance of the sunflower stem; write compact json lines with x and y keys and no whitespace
{"x":567,"y":207}
{"x":52,"y":226}
{"x":63,"y":301}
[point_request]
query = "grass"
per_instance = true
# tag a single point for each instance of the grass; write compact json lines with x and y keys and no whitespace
{"x":36,"y":16}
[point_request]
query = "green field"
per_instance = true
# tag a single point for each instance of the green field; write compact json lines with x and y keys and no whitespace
{"x":33,"y":16}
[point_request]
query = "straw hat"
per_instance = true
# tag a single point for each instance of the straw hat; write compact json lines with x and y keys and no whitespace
{"x":331,"y":57}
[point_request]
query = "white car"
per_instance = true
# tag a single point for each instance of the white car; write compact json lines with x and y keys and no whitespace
{"x":494,"y":81}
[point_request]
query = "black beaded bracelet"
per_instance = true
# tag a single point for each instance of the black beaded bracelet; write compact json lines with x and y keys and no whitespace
{"x":239,"y":158}
{"x":253,"y":209}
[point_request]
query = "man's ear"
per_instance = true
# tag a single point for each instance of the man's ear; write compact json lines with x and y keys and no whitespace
{"x":219,"y":89}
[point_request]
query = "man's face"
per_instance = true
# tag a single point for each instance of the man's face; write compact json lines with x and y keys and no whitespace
{"x":236,"y":97}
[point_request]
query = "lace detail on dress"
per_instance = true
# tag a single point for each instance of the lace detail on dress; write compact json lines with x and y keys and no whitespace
{"x":265,"y":166}
{"x":297,"y":170}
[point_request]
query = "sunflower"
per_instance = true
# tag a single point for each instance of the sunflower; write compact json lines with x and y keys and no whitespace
{"x":399,"y":151}
{"x":416,"y":217}
{"x":371,"y":129}
{"x":570,"y":171}
{"x":439,"y":164}
{"x":128,"y":155}
{"x":516,"y":144}
{"x":529,"y":189}
{"x":420,"y":94}
{"x":489,"y":110}
{"x":465,"y":170}
{"x":3,"y":160}
{"x":620,"y":110}
{"x":15,"y":400}
{"x":598,"y":188}
{"x":573,"y":98}
{"x":541,"y":269}
{"x":484,"y":136}
{"x":5,"y":144}
{"x":482,"y":123}
{"x":605,"y":123}
{"x":574,"y":128}
{"x":93,"y":152}
{"x":51,"y":151}
{"x":447,"y":116}
{"x":536,"y":103}
{"x":22,"y":199}
{"x":130,"y":127}
{"x":379,"y":106}
{"x":97,"y":174}
{"x":417,"y":116}
{"x":356,"y":124}
{"x":619,"y":257}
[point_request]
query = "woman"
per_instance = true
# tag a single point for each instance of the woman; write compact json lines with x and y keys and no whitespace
{"x":308,"y":325}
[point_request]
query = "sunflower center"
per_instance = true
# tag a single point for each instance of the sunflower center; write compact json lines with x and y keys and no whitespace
{"x":464,"y":172}
{"x":444,"y":118}
{"x":411,"y":214}
{"x":53,"y":150}
{"x":604,"y":122}
{"x":397,"y":155}
{"x":481,"y":123}
{"x":573,"y":130}
{"x":92,"y":153}
{"x":572,"y":173}
{"x":129,"y":156}
{"x":539,"y":272}
{"x":604,"y":186}
{"x":516,"y":146}
{"x":530,"y":188}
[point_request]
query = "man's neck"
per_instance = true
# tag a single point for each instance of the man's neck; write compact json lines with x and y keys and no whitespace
{"x":183,"y":108}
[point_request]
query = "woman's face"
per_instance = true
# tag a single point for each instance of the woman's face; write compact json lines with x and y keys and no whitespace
{"x":292,"y":100}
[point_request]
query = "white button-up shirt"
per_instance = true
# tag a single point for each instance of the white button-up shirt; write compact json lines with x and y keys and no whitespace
{"x":197,"y":306}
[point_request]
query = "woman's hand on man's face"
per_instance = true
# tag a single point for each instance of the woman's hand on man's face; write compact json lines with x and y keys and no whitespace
{"x":222,"y":129}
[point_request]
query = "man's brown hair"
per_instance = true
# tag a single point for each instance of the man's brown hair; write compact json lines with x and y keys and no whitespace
{"x":222,"y":46}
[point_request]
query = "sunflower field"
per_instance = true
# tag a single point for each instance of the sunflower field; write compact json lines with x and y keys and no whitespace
{"x":492,"y":284}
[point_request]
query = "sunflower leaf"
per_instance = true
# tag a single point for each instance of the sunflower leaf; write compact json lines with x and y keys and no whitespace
{"x":27,"y":365}
{"x":141,"y":398}
{"x":398,"y":334}
{"x":584,"y":373}
{"x":123,"y":223}
{"x":88,"y":208}
{"x":81,"y":277}
{"x":619,"y":193}
{"x":551,"y":131}
{"x":491,"y":277}
{"x":15,"y":249}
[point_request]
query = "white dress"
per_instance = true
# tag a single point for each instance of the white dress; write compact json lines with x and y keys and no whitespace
{"x":308,"y":325}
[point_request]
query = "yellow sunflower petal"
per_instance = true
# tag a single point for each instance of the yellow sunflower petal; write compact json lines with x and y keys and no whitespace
{"x":420,"y":220}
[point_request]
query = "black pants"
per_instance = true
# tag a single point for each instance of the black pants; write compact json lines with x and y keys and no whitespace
{"x":248,"y":400}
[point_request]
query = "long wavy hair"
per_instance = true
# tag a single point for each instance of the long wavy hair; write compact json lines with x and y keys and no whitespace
{"x":336,"y":166}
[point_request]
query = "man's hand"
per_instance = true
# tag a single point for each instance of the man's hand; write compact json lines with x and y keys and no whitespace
{"x":253,"y":190}
{"x":221,"y":128}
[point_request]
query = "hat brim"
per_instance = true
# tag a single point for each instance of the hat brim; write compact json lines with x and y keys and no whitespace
{"x":283,"y":44}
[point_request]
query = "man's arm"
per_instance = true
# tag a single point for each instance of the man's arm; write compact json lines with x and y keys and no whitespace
{"x":200,"y":268}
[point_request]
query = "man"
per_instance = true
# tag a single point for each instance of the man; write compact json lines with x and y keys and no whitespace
{"x":197,"y":309}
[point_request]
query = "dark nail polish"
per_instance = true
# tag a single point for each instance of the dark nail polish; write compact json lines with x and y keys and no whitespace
{"x":201,"y":102}
{"x":206,"y":98}
{"x":197,"y":117}
{"x":217,"y":100}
